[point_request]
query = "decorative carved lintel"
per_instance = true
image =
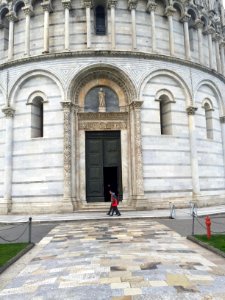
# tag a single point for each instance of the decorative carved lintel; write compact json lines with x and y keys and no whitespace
{"x":191,"y":110}
{"x":84,"y":125}
{"x":8,"y":111}
{"x":105,"y":116}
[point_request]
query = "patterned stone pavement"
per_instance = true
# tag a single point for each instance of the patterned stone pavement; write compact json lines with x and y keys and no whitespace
{"x":120,"y":260}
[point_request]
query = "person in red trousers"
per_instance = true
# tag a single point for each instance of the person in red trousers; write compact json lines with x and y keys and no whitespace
{"x":114,"y":202}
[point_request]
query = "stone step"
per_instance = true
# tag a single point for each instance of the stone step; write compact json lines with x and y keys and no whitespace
{"x":101,"y":207}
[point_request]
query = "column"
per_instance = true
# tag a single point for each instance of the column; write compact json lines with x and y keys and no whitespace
{"x":28,"y":11}
{"x":217,"y":39}
{"x":132,"y":4}
{"x":193,"y":149}
{"x":7,"y":201}
{"x":67,"y":200}
{"x":184,"y":19}
{"x":46,"y":5}
{"x":151,"y":7}
{"x":199,"y":25}
{"x":222,"y":44}
{"x":169,"y":13}
{"x":112,"y":6}
{"x":222,"y":121}
{"x":88,"y":5}
{"x":138,"y":184}
{"x":67,"y":6}
{"x":210,"y":31}
{"x":12,"y":18}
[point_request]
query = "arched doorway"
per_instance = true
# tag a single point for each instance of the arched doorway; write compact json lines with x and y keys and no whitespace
{"x":107,"y":143}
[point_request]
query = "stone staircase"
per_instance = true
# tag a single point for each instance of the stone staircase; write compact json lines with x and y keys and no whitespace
{"x":103,"y":207}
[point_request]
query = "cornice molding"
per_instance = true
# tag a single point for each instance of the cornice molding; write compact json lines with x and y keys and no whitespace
{"x":113,"y":53}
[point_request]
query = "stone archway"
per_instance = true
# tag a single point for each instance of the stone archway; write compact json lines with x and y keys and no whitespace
{"x":126,"y":120}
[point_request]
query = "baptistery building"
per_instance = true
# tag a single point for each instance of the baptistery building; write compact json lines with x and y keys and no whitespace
{"x":126,"y":95}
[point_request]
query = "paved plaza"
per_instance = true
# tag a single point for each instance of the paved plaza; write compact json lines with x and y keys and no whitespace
{"x":118,"y":259}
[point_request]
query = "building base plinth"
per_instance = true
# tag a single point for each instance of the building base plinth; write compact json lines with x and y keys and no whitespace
{"x":67,"y":206}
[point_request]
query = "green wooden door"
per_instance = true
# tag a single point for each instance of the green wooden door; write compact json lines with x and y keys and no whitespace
{"x":102,"y":150}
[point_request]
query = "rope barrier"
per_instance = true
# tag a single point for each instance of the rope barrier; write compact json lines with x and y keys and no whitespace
{"x":28,"y":225}
{"x":9,"y":241}
{"x":203,"y":226}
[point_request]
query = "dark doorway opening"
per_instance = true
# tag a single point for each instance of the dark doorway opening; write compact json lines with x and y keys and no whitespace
{"x":110,"y":181}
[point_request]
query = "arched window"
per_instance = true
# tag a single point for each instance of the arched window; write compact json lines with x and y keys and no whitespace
{"x":37,"y":118}
{"x":100,"y":20}
{"x":209,"y":120}
{"x":165,"y":99}
{"x":4,"y":26}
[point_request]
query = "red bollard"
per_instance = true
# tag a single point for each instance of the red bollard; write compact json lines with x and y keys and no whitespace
{"x":208,"y":225}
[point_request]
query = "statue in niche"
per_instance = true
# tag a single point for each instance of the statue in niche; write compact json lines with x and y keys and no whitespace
{"x":101,"y":100}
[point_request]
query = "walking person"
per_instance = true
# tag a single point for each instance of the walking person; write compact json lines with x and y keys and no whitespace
{"x":114,"y":204}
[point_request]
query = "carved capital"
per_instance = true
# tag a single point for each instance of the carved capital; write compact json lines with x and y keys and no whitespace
{"x":191,"y":110}
{"x":112,"y":3}
{"x":28,"y":10}
{"x":87,"y":3}
{"x":132,"y":4}
{"x":11,"y":16}
{"x":198,"y":24}
{"x":210,"y":30}
{"x":47,"y":6}
{"x":135,"y":105}
{"x":222,"y":119}
{"x":169,"y":11}
{"x":151,"y":6}
{"x":216,"y":37}
{"x":66,"y":4}
{"x":66,"y":105}
{"x":8,"y":111}
{"x":185,"y":18}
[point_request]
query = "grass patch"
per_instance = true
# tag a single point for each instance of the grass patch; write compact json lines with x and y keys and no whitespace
{"x":217,"y":241}
{"x":9,"y":251}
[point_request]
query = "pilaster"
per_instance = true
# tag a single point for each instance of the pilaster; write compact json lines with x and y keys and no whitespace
{"x":67,"y":6}
{"x":199,"y":25}
{"x":88,"y":5}
{"x":6,"y":204}
{"x":11,"y":16}
{"x":169,"y":14}
{"x":132,"y":4}
{"x":47,"y":8}
{"x":185,"y":19}
{"x":28,"y":11}
{"x":193,"y":150}
{"x":67,"y":200}
{"x":151,"y":7}
{"x":112,"y":5}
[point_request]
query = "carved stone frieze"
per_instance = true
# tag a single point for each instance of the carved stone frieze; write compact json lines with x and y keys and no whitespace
{"x":84,"y":125}
{"x":116,"y":116}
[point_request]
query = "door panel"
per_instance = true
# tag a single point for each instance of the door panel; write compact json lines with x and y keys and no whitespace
{"x":94,"y":166}
{"x":103,"y":151}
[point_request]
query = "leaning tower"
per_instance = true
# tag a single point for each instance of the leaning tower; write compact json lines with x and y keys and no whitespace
{"x":126,"y":95}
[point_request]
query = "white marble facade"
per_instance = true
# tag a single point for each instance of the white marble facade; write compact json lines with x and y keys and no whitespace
{"x":163,"y":60}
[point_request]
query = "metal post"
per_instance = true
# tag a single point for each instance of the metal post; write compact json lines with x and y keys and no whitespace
{"x":30,"y":227}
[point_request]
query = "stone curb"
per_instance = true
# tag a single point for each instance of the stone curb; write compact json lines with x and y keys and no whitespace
{"x":204,"y":245}
{"x":14,"y":259}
